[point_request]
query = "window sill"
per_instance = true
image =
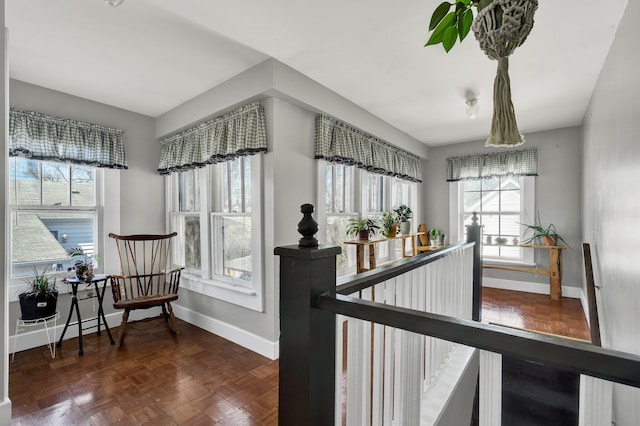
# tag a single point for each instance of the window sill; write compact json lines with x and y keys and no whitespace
{"x":226,"y":291}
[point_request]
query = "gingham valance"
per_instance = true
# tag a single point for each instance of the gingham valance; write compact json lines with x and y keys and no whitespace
{"x":517,"y":163}
{"x":45,"y":137}
{"x":338,"y":142}
{"x":240,"y":132}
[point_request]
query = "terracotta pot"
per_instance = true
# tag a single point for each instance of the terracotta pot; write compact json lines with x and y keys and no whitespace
{"x":548,"y":241}
{"x":393,"y":231}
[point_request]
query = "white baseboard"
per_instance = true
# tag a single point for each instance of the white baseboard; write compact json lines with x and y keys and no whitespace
{"x":37,"y":337}
{"x":228,"y":331}
{"x":5,"y":412}
{"x":530,"y":287}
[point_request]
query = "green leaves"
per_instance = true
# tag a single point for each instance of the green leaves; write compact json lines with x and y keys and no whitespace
{"x":448,"y":26}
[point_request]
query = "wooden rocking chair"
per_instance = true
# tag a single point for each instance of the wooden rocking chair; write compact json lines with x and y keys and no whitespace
{"x":146,"y":280}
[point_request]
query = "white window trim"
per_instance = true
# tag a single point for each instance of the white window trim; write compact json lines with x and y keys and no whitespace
{"x":527,"y":206}
{"x":108,"y":220}
{"x":207,"y":282}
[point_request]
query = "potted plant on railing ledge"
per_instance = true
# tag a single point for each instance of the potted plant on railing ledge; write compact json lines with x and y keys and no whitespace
{"x":403,"y":214}
{"x":546,"y":235}
{"x":40,"y":299}
{"x":362,"y":228}
{"x":389,"y":225}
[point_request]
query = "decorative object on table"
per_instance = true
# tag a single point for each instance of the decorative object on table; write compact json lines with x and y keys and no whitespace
{"x":515,"y":241}
{"x":40,"y":299}
{"x":307,"y":227}
{"x":389,"y":225}
{"x":489,"y":240}
{"x":83,"y":267}
{"x":403,"y":214}
{"x":434,"y":237}
{"x":545,"y":235}
{"x":500,"y":27}
{"x":362,"y":228}
{"x":501,"y":241}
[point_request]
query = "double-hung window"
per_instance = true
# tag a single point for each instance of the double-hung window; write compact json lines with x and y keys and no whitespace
{"x":216,"y":212}
{"x":53,"y":208}
{"x":350,"y":193}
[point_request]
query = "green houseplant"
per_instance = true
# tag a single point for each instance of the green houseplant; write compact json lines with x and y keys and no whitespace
{"x":40,"y":298}
{"x":547,"y":235}
{"x":403,"y":214}
{"x":434,"y":237}
{"x":362,"y":228}
{"x":389,"y":225}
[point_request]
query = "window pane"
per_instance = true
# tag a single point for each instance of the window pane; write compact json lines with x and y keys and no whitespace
{"x":27,"y":184}
{"x":55,"y":184}
{"x":188,"y":191}
{"x":329,"y":197}
{"x":490,"y":183}
{"x":247,"y":184}
{"x":375,"y":191}
{"x":232,"y":186}
{"x":472,"y":185}
{"x":42,"y":238}
{"x":336,"y":234}
{"x":236,"y":246}
{"x":187,"y":246}
{"x":83,"y":186}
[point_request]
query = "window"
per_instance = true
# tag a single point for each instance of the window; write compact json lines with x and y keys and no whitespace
{"x":349,"y":193}
{"x":216,"y":212}
{"x":502,"y":203}
{"x":53,"y":208}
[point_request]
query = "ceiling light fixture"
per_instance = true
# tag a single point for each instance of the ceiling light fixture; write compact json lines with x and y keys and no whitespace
{"x":113,"y":3}
{"x":472,"y":108}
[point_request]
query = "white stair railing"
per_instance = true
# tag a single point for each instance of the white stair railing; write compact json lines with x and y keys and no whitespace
{"x":387,"y":370}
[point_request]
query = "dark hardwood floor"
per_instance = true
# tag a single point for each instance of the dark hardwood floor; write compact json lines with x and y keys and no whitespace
{"x":156,"y":378}
{"x":198,"y":378}
{"x":535,"y":312}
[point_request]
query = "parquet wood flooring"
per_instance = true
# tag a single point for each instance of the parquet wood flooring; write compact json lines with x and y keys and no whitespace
{"x":198,"y":378}
{"x":534,"y":312}
{"x":195,"y":378}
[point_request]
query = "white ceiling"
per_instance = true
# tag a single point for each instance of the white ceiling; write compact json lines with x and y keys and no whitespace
{"x":150,"y":56}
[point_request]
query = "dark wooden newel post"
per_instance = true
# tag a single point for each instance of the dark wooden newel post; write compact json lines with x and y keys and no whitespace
{"x":474,"y":235}
{"x":307,"y":335}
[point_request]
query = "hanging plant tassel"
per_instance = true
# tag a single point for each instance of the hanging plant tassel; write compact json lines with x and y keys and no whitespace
{"x":500,"y":27}
{"x":504,"y":129}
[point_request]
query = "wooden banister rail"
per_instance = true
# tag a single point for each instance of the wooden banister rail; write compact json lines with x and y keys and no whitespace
{"x":583,"y":358}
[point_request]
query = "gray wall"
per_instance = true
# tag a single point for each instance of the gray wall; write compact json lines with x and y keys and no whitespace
{"x":141,"y":189}
{"x":557,"y":195}
{"x":611,"y":198}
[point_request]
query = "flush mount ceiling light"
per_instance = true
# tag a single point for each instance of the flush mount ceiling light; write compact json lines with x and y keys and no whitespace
{"x":472,"y":108}
{"x":113,"y":3}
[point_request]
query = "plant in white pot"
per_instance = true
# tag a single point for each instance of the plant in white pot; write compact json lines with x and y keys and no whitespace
{"x":403,"y":214}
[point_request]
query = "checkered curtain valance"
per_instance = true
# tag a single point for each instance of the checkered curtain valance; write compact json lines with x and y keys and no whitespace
{"x":517,"y":163}
{"x":238,"y":133}
{"x":44,"y":137}
{"x":337,"y":142}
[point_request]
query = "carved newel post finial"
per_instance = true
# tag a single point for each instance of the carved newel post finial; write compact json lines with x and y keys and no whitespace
{"x":307,"y":227}
{"x":474,"y":219}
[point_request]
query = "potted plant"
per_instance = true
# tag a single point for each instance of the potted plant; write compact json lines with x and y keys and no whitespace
{"x":83,"y":267}
{"x":434,"y":237}
{"x":547,"y":235}
{"x":389,"y":225}
{"x":362,"y":228}
{"x":403,"y":214}
{"x":40,"y":299}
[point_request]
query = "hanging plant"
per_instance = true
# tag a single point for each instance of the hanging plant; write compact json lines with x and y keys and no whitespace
{"x":500,"y":27}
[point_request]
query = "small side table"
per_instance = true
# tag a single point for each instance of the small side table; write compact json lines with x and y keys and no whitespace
{"x":99,"y":294}
{"x":51,"y":338}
